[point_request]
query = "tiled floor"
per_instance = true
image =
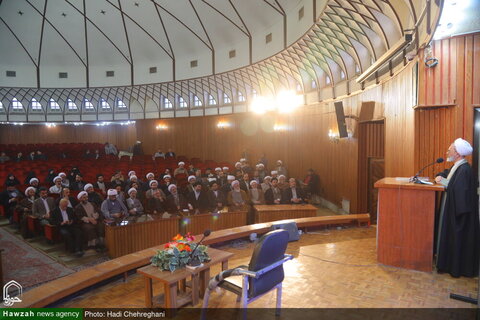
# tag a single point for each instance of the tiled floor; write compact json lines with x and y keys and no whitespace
{"x":332,"y":268}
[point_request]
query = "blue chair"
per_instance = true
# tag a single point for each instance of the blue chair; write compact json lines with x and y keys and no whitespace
{"x":263,"y":274}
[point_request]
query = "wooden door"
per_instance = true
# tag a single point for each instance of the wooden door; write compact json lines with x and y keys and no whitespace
{"x":376,"y":171}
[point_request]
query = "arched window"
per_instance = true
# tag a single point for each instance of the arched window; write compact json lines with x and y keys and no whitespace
{"x":88,"y":105}
{"x":226,"y":99}
{"x":357,"y":68}
{"x":342,"y":74}
{"x":254,"y":93}
{"x":104,"y":104}
{"x":197,"y":102}
{"x":36,"y":106}
{"x":313,"y":84}
{"x":71,"y":106}
{"x":1,"y":105}
{"x":53,"y":104}
{"x":121,"y":105}
{"x":16,"y":105}
{"x":241,"y":97}
{"x":166,"y":103}
{"x":182,"y":103}
{"x":327,"y":80}
{"x":211,"y":100}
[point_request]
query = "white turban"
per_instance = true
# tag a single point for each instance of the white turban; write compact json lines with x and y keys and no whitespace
{"x":57,"y":177}
{"x":463,"y":147}
{"x":181,"y":163}
{"x":167,"y":176}
{"x":88,"y":185}
{"x":238,"y":164}
{"x":267,"y":177}
{"x":28,"y":189}
{"x":33,"y":179}
{"x":212,"y":179}
{"x":133,"y":176}
{"x":218,"y":169}
{"x":243,"y":160}
{"x":138,"y":141}
{"x":81,"y":194}
{"x":191,"y":177}
{"x":152,"y":181}
{"x":149,"y":174}
{"x":281,"y":176}
{"x":131,"y":190}
{"x":225,"y":168}
{"x":230,"y":177}
{"x":274,"y":172}
{"x":279,"y":161}
{"x":171,"y":186}
{"x":253,"y":181}
{"x":62,"y":174}
{"x":235,"y":182}
{"x":131,"y":173}
{"x":112,"y":192}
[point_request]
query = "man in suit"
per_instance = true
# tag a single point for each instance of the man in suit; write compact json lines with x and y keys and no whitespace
{"x":43,"y":207}
{"x":245,"y":183}
{"x":176,"y":202}
{"x":64,"y":217}
{"x":101,"y":184}
{"x":292,"y":194}
{"x":197,"y":199}
{"x":78,"y":184}
{"x":273,"y":195}
{"x":216,"y":198}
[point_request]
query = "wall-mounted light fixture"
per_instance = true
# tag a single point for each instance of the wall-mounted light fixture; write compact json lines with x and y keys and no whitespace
{"x":161,"y":127}
{"x":223,"y":125}
{"x":50,"y":125}
{"x":279,"y":127}
{"x":333,"y":136}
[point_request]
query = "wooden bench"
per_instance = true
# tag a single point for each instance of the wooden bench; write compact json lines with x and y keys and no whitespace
{"x":55,"y":290}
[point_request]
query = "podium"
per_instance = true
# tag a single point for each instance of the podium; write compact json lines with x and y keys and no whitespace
{"x":405,"y":223}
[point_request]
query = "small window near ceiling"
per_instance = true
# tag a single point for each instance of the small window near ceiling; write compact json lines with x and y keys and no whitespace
{"x":121,"y":104}
{"x":197,"y":102}
{"x":211,"y":100}
{"x":36,"y":106}
{"x":88,"y":105}
{"x":254,"y":93}
{"x":53,"y":104}
{"x":226,"y":99}
{"x":1,"y":105}
{"x":71,"y":106}
{"x":167,"y":104}
{"x":342,"y":74}
{"x":104,"y":104}
{"x":327,"y":80}
{"x":241,"y":97}
{"x":313,"y":84}
{"x":16,"y":105}
{"x":182,"y":103}
{"x":357,"y":68}
{"x":299,"y":87}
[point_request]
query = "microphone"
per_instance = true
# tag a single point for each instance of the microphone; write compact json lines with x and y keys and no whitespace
{"x":195,"y":262}
{"x":415,"y":177}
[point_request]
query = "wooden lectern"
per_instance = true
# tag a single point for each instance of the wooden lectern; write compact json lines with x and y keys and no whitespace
{"x":406,"y":222}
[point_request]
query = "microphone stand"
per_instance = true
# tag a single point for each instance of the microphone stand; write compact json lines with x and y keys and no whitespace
{"x":194,"y":262}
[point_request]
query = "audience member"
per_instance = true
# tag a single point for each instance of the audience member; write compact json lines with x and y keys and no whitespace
{"x":110,"y":149}
{"x":227,"y":187}
{"x":11,"y":179}
{"x":64,"y":217}
{"x":256,"y":193}
{"x":65,"y":182}
{"x":137,"y":149}
{"x":153,"y":184}
{"x":150,"y":177}
{"x":96,"y":155}
{"x":57,"y":187}
{"x":216,"y":198}
{"x":245,"y":183}
{"x":9,"y":198}
{"x":4,"y":158}
{"x":181,"y":169}
{"x":156,"y":203}
{"x":51,"y":174}
{"x":19,"y":157}
{"x":24,"y":209}
{"x":134,"y":205}
{"x":282,"y":182}
{"x":93,"y":196}
{"x":273,"y":195}
{"x":117,"y":178}
{"x":266,"y":184}
{"x":72,"y":202}
{"x":170,"y":154}
{"x":40,"y":156}
{"x":31,"y":156}
{"x":43,"y":206}
{"x":78,"y":184}
{"x":198,"y":199}
{"x":112,"y":209}
{"x":176,"y":202}
{"x":280,"y":168}
{"x":73,"y":174}
{"x":100,"y":184}
{"x":237,"y":199}
{"x":167,"y":181}
{"x":263,"y":160}
{"x":89,"y":219}
{"x":312,"y":183}
{"x":120,"y":194}
{"x":159,"y":154}
{"x":292,"y":194}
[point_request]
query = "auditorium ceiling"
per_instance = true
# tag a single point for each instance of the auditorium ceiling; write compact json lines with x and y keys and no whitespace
{"x":67,"y":60}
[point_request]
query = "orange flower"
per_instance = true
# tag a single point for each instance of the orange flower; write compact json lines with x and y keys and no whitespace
{"x":181,"y":247}
{"x":188,"y":248}
{"x":167,"y":245}
{"x":178,"y":237}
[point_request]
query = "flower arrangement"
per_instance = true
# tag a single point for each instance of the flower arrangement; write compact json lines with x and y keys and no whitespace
{"x":177,"y":253}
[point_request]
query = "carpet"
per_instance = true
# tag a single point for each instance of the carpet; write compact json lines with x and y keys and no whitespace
{"x":26,"y":265}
